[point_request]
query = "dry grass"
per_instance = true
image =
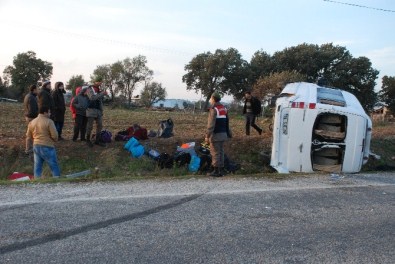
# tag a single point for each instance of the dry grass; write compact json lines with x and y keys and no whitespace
{"x":113,"y":161}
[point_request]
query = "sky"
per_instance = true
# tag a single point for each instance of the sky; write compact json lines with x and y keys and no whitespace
{"x":77,"y":36}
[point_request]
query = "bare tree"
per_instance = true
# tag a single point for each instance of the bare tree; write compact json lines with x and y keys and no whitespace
{"x":134,"y":71}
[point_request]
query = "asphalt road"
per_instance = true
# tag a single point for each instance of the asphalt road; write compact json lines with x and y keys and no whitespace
{"x":304,"y":219}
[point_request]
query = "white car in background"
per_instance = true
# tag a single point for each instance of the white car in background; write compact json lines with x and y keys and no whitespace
{"x":319,"y":129}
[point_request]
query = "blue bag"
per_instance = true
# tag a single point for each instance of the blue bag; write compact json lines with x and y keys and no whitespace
{"x":137,"y":151}
{"x":131,"y":142}
{"x":194,"y":164}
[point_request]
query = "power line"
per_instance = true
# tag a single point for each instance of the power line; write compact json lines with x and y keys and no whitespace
{"x":63,"y":33}
{"x":368,"y":7}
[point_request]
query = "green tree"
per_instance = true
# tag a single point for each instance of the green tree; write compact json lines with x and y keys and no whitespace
{"x":224,"y":71}
{"x":260,"y":65}
{"x":26,"y":70}
{"x":2,"y":87}
{"x":335,"y":64}
{"x":74,"y":82}
{"x":152,"y":92}
{"x":5,"y":87}
{"x":303,"y":58}
{"x":275,"y":82}
{"x":357,"y":77}
{"x":134,"y":72}
{"x":111,"y":76}
{"x":387,"y":93}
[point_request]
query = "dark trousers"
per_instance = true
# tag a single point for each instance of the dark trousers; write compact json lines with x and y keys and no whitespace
{"x":89,"y":128}
{"x":80,"y":123}
{"x":250,"y":122}
{"x":59,"y":127}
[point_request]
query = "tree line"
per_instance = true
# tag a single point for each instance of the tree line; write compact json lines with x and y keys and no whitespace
{"x":121,"y":78}
{"x":226,"y":71}
{"x":223,"y":71}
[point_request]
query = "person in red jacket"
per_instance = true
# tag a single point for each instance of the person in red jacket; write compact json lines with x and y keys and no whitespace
{"x":72,"y":108}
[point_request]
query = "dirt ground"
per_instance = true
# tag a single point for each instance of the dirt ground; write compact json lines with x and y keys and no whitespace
{"x":189,"y":127}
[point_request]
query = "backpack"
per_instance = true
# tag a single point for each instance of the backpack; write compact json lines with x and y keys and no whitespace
{"x":230,"y":165}
{"x":152,"y":153}
{"x":205,"y":163}
{"x":182,"y":159}
{"x":151,"y":133}
{"x":141,"y":133}
{"x":121,"y":137}
{"x":136,"y":131}
{"x":165,"y":161}
{"x":105,"y":136}
{"x":166,"y":128}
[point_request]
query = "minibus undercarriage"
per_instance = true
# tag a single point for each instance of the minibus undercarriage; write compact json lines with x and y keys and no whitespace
{"x":328,"y":147}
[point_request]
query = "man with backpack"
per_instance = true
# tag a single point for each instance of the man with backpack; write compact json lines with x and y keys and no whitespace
{"x":217,"y":133}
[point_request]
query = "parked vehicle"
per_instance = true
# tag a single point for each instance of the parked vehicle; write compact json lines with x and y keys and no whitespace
{"x":319,"y":129}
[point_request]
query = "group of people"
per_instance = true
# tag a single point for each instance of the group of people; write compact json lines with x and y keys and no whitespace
{"x":87,"y":108}
{"x":45,"y":113}
{"x":53,"y":100}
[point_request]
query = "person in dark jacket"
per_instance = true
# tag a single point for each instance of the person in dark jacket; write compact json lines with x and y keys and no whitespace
{"x":217,"y":133}
{"x":44,"y":96}
{"x":80,"y":104}
{"x":94,"y":112}
{"x":59,"y":107}
{"x":31,"y":111}
{"x":252,"y":109}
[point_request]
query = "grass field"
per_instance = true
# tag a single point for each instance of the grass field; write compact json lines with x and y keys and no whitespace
{"x":115,"y":162}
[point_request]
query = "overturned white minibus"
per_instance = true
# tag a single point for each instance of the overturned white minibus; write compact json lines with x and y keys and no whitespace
{"x":319,"y":129}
